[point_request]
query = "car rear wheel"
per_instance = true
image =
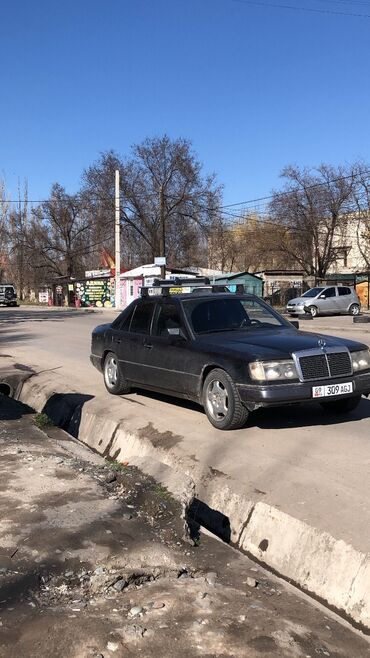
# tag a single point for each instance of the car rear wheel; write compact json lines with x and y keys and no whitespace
{"x":222,"y":402}
{"x":114,"y":381}
{"x":313,"y":311}
{"x":354,"y":309}
{"x":341,"y":406}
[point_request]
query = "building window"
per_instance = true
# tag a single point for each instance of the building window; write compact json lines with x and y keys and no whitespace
{"x":131,"y":289}
{"x":341,"y":255}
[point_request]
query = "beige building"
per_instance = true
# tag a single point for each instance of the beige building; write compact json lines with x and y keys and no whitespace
{"x":352,"y":246}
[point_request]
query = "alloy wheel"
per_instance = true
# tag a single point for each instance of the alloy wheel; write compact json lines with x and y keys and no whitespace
{"x":111,"y":371}
{"x":217,"y":399}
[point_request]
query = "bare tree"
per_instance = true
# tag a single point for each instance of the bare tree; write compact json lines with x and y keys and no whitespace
{"x":167,"y":205}
{"x":309,"y":212}
{"x":361,"y":216}
{"x":17,"y":229}
{"x":4,"y":218}
{"x":249,"y":244}
{"x":59,"y":235}
{"x":222,"y":250}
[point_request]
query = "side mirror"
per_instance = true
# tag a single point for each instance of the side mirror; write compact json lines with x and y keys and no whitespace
{"x":294,"y":323}
{"x":177,"y":333}
{"x":322,"y":297}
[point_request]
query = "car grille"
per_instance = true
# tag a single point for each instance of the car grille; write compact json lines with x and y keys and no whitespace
{"x":321,"y":366}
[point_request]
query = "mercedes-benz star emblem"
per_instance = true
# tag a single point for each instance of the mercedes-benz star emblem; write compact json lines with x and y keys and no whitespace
{"x":321,"y":343}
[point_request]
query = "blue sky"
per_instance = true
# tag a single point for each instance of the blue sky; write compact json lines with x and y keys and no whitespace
{"x":253,"y":87}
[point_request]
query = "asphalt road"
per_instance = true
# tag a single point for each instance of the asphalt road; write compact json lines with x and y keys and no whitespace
{"x":308,"y":464}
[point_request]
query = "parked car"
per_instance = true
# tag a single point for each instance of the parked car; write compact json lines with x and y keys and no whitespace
{"x":8,"y":295}
{"x":326,"y":300}
{"x":232,"y":353}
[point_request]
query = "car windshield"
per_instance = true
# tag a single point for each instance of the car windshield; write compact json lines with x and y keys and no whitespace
{"x":313,"y":292}
{"x":230,"y":314}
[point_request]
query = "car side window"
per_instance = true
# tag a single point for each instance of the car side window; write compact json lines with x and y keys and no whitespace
{"x":344,"y":291}
{"x":123,"y":321}
{"x":142,"y":318}
{"x":168,"y":320}
{"x":329,"y":292}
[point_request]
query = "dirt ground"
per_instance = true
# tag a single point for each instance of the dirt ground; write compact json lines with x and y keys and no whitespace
{"x":93,"y":564}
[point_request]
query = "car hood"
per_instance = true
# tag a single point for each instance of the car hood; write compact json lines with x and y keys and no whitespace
{"x":301,"y":300}
{"x":269,"y":343}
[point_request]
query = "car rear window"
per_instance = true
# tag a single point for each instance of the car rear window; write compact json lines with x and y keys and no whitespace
{"x":122,"y":323}
{"x":168,"y":320}
{"x":142,"y":318}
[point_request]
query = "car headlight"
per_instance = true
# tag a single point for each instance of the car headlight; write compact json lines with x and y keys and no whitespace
{"x":273,"y":370}
{"x":360,"y":360}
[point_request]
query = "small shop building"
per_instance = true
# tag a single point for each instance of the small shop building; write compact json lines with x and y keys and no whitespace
{"x":252,"y":283}
{"x":145,"y":275}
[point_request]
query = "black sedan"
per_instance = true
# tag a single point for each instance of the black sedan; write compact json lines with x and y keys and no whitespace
{"x":232,"y":353}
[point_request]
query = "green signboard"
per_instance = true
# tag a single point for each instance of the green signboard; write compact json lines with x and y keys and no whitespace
{"x":95,"y":292}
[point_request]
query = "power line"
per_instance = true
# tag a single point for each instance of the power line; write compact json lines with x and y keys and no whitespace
{"x":223,"y":210}
{"x":361,"y":3}
{"x":271,"y":5}
{"x":288,"y":192}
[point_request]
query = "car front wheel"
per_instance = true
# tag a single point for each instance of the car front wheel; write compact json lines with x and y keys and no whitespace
{"x":313,"y":311}
{"x":341,"y":406}
{"x":114,"y":381}
{"x":221,"y":401}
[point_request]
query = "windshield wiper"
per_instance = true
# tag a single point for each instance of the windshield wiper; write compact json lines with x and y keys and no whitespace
{"x":216,"y":331}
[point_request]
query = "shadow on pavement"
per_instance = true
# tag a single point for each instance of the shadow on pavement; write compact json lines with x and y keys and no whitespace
{"x":305,"y":415}
{"x":178,"y":402}
{"x":12,"y":410}
{"x":308,"y":414}
{"x":6,"y":337}
{"x":64,"y":409}
{"x":11,"y":316}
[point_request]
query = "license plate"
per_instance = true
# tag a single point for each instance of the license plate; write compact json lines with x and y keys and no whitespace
{"x":332,"y":389}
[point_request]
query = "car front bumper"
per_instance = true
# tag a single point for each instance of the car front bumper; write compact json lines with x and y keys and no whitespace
{"x":276,"y":395}
{"x":296,"y":310}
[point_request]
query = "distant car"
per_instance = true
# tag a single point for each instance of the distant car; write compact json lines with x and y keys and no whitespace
{"x":326,"y":300}
{"x":8,"y":295}
{"x":232,"y":353}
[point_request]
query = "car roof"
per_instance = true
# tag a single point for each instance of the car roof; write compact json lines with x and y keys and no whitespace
{"x":202,"y":296}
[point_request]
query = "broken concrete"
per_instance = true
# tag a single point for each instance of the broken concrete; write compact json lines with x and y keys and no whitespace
{"x":325,"y":566}
{"x":79,"y":580}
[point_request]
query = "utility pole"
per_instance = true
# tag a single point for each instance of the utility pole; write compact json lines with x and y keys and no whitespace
{"x":162,"y":230}
{"x":117,"y":296}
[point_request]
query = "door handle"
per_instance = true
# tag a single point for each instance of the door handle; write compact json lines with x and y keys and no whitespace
{"x":148,"y":346}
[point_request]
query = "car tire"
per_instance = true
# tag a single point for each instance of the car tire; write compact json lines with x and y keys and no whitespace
{"x":222,"y":402}
{"x":361,"y":319}
{"x":341,"y":406}
{"x":314,"y":311}
{"x":114,"y":381}
{"x":354,"y":309}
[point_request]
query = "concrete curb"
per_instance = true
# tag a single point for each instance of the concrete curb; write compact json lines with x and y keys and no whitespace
{"x":81,"y":416}
{"x":321,"y":565}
